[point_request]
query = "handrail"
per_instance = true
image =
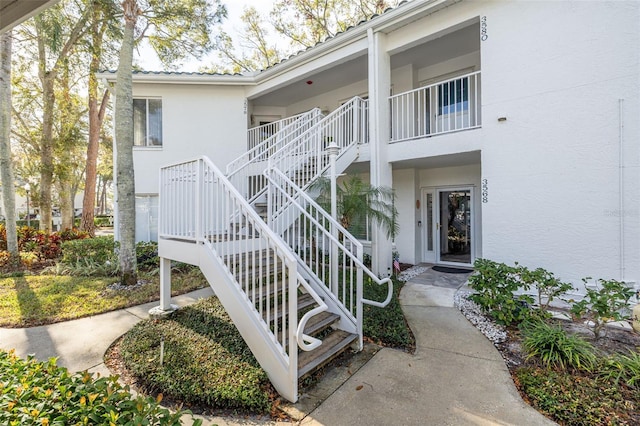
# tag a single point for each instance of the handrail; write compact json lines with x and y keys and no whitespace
{"x":204,"y":189}
{"x":438,"y":83}
{"x":334,"y":224}
{"x":255,"y":152}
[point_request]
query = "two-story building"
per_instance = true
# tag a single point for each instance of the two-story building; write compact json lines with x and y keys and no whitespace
{"x":508,"y":130}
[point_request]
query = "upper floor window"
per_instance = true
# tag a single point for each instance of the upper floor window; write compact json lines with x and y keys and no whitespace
{"x":147,"y":122}
{"x":453,"y":96}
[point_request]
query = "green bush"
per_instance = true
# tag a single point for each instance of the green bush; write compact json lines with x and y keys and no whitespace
{"x":622,"y":367}
{"x":495,"y":285}
{"x":547,"y":285}
{"x":98,"y":250}
{"x":555,"y":348}
{"x":206,"y":361}
{"x":578,"y":400}
{"x":36,"y":393}
{"x":147,"y":255}
{"x":386,"y":326}
{"x":103,"y":221}
{"x":603,"y":304}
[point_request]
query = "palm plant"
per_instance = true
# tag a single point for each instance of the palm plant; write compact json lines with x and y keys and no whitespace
{"x":358,"y":200}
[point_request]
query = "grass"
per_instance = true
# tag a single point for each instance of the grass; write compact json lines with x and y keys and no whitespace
{"x":30,"y":300}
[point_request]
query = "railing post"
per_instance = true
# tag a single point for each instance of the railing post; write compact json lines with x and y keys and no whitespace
{"x":333,"y":150}
{"x":292,"y":269}
{"x":198,"y":200}
{"x":359,"y":297}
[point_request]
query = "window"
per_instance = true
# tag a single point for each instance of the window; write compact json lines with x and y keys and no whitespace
{"x":453,"y":96}
{"x":147,"y":122}
{"x":146,"y":218}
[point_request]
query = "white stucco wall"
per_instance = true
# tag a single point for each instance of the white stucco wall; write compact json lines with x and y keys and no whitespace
{"x":557,"y":73}
{"x":197,"y":120}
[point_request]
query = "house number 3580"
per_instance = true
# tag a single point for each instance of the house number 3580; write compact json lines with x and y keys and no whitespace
{"x":484,"y":35}
{"x":485,"y":191}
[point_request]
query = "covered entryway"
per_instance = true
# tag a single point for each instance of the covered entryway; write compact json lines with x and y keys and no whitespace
{"x":448,"y":223}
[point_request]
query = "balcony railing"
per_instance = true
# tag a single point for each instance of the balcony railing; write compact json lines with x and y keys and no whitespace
{"x":443,"y":107}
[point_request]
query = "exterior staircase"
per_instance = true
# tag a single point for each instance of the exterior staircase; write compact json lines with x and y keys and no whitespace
{"x":290,"y":277}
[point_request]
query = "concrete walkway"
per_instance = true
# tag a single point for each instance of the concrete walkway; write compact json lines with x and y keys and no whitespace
{"x":455,"y":377}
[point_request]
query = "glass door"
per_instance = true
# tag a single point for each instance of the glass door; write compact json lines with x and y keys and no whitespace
{"x":454,"y":226}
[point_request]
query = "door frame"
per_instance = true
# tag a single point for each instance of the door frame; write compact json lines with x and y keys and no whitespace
{"x":436,"y":229}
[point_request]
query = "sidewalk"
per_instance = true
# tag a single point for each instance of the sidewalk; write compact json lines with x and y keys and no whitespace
{"x":455,"y":377}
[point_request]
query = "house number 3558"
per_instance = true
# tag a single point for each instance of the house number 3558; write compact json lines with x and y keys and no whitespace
{"x":485,"y":191}
{"x":484,"y":35}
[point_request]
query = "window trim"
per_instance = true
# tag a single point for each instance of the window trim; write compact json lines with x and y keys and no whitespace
{"x":147,"y":146}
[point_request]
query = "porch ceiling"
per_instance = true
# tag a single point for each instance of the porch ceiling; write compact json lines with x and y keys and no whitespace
{"x":423,"y":53}
{"x":439,"y":161}
{"x":323,"y":81}
{"x":434,"y":162}
{"x":442,"y":48}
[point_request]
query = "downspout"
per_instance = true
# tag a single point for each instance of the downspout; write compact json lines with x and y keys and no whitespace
{"x":621,"y":183}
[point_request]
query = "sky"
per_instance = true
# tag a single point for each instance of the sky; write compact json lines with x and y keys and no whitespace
{"x":148,"y":60}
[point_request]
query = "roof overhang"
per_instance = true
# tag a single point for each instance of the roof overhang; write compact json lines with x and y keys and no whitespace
{"x":183,"y":78}
{"x":13,"y":12}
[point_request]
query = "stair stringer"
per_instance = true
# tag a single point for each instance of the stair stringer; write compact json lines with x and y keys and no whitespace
{"x":253,"y":329}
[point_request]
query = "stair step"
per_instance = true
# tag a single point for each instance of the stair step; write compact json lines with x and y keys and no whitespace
{"x":304,"y":301}
{"x":332,"y":345}
{"x":318,"y":323}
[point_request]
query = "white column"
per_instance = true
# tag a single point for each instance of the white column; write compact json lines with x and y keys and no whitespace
{"x":165,"y":284}
{"x":379,"y":129}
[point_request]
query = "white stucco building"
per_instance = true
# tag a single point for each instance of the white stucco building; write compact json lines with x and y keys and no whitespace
{"x":535,"y":129}
{"x":509,"y":131}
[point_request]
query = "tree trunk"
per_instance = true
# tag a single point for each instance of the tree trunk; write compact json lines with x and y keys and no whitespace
{"x":125,"y":181}
{"x":66,"y":206}
{"x":46,"y":144}
{"x":96,"y":117}
{"x":6,"y":165}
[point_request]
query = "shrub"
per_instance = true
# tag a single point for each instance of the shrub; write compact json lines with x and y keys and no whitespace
{"x":577,"y":400}
{"x":554,"y":347}
{"x":495,"y":285}
{"x":603,"y":304}
{"x":147,"y":255}
{"x":625,"y":367}
{"x":548,"y":286}
{"x":98,"y":250}
{"x":206,"y":361}
{"x":101,"y":221}
{"x":36,"y":393}
{"x":386,"y":326}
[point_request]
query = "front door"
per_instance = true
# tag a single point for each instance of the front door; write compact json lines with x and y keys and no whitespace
{"x":448,"y":226}
{"x":454,"y":226}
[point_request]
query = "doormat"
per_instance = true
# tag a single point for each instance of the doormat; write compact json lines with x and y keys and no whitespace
{"x":448,"y":270}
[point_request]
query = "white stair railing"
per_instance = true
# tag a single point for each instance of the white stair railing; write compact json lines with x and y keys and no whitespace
{"x":256,"y":135}
{"x":196,"y":200}
{"x":305,"y":159}
{"x":245,"y":172}
{"x":325,"y":249}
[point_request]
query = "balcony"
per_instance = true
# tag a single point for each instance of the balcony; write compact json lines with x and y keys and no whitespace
{"x":443,"y":107}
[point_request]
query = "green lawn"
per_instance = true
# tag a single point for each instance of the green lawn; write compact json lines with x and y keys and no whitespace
{"x":32,"y":300}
